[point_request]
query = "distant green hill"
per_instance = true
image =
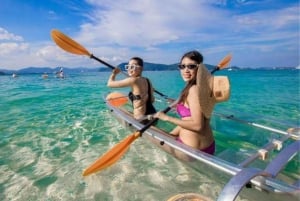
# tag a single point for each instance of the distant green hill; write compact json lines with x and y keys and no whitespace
{"x":147,"y":67}
{"x":39,"y":70}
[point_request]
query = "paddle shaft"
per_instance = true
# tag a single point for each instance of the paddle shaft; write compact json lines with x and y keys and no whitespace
{"x":101,"y":61}
{"x":215,"y":69}
{"x":153,"y":121}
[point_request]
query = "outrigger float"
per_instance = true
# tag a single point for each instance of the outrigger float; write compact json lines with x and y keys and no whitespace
{"x":266,"y":178}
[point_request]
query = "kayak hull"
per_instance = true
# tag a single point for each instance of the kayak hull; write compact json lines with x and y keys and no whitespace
{"x":200,"y":161}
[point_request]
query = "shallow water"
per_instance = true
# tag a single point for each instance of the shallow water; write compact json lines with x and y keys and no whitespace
{"x":52,"y":129}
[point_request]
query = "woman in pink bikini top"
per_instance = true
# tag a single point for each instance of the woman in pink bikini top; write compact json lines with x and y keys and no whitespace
{"x":183,"y":111}
{"x":193,"y":128}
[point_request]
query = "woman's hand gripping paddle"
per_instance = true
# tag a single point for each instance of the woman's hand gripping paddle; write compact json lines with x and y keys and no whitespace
{"x":114,"y":154}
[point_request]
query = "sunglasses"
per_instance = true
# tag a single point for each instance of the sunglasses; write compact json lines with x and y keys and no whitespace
{"x":131,"y":67}
{"x":189,"y":66}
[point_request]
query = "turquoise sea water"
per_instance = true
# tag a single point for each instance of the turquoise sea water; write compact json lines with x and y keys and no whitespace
{"x":51,"y":129}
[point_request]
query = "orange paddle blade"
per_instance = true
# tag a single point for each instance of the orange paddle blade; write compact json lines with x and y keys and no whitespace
{"x":68,"y":44}
{"x":112,"y":156}
{"x":225,"y":61}
{"x":117,"y":99}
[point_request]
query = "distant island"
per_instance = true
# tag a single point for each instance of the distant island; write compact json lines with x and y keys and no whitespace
{"x":147,"y":67}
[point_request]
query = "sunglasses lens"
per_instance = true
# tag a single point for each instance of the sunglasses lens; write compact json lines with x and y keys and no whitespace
{"x":190,"y":66}
{"x":181,"y":67}
{"x":130,"y":67}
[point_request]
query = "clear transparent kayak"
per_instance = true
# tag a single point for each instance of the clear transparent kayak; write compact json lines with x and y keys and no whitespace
{"x":260,"y":169}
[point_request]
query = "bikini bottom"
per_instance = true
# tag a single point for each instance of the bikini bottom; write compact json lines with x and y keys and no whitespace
{"x":210,"y":149}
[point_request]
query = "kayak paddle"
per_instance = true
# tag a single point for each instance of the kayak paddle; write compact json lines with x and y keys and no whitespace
{"x":115,"y":153}
{"x":69,"y":45}
{"x":223,"y":63}
{"x":117,"y":99}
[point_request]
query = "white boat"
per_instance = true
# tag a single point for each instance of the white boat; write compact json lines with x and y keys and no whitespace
{"x":257,"y":173}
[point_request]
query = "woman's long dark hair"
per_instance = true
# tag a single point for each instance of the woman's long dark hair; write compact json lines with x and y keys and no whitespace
{"x":198,"y":58}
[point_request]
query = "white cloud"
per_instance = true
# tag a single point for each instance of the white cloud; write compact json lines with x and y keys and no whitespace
{"x":11,"y":48}
{"x":145,"y":23}
{"x":5,"y":35}
{"x":161,"y":31}
{"x":142,"y":27}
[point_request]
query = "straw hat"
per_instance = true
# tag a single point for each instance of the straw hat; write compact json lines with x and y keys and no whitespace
{"x":204,"y":83}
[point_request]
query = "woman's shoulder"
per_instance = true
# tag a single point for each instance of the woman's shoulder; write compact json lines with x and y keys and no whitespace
{"x":194,"y":89}
{"x":193,"y":93}
{"x":131,"y":79}
{"x":140,"y":79}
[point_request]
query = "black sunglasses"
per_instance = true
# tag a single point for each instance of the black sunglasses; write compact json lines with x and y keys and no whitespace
{"x":189,"y":66}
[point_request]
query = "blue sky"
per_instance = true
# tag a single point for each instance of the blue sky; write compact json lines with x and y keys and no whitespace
{"x":258,"y":33}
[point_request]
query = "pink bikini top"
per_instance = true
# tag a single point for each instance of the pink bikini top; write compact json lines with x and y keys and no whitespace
{"x":183,"y":111}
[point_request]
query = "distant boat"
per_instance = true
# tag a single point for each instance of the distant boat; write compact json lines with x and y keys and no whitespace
{"x":14,"y":75}
{"x":45,"y":76}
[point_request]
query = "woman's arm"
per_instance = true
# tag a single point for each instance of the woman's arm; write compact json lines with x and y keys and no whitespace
{"x":127,"y":82}
{"x":195,"y":122}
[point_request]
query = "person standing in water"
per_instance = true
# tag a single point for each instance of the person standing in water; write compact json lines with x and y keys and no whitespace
{"x":60,"y":73}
